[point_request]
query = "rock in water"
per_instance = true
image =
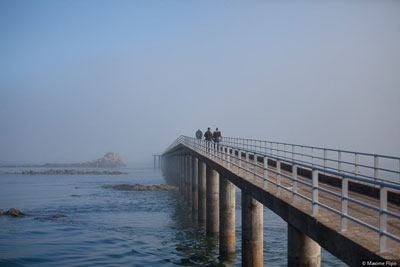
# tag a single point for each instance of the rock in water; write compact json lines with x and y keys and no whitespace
{"x":139,"y":187}
{"x":15,"y":213}
{"x":1,"y":212}
{"x":58,"y":216}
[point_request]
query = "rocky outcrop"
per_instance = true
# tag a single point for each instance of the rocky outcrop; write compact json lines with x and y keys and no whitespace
{"x":139,"y":187}
{"x":15,"y":213}
{"x":71,"y":172}
{"x":110,"y":160}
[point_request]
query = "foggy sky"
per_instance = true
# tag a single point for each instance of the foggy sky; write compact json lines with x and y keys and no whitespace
{"x":81,"y":78}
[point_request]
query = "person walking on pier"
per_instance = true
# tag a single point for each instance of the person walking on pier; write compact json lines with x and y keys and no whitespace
{"x":199,"y":134}
{"x":209,"y":137}
{"x":217,"y":136}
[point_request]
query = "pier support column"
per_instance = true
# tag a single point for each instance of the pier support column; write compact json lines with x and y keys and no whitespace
{"x":302,"y":250}
{"x":185,"y":167}
{"x":227,"y":218}
{"x":182,"y":174}
{"x":252,"y":231}
{"x":189,"y":179}
{"x":202,"y":193}
{"x":212,"y":221}
{"x":195,"y":194}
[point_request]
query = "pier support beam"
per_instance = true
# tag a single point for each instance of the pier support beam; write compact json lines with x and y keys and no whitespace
{"x":195,"y":194}
{"x":212,"y":221}
{"x":227,"y":218}
{"x":252,"y":231}
{"x":302,"y":250}
{"x":202,"y":193}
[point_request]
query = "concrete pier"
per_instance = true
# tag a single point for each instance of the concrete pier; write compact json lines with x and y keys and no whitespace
{"x":227,"y":225}
{"x":208,"y":186}
{"x":212,"y":220}
{"x":252,"y":231}
{"x":302,"y":250}
{"x":195,"y":173}
{"x":202,"y":193}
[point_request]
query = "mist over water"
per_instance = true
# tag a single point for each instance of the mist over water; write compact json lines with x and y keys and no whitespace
{"x":79,"y":79}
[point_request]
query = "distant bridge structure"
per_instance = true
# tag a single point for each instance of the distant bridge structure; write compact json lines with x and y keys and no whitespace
{"x":347,"y":202}
{"x":157,"y":161}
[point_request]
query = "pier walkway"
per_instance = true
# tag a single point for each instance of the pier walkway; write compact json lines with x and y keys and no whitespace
{"x":347,"y":202}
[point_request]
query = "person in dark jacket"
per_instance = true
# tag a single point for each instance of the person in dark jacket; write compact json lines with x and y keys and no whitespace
{"x":208,"y":135}
{"x":217,"y":136}
{"x":199,"y":134}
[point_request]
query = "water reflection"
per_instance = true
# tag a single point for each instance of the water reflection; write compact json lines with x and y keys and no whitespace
{"x":191,"y":243}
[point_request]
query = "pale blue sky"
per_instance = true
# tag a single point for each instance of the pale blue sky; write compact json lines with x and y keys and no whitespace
{"x":81,"y":78}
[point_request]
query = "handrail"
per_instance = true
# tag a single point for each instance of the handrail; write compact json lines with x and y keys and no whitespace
{"x":225,"y":154}
{"x":376,"y":166}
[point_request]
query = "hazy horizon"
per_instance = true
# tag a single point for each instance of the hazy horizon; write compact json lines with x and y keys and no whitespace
{"x":81,"y":78}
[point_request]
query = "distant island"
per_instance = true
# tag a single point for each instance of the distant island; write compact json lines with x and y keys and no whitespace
{"x":110,"y":160}
{"x":71,"y":172}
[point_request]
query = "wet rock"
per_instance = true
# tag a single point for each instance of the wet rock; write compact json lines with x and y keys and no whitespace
{"x":1,"y":212}
{"x":58,"y":216}
{"x":139,"y":187}
{"x":15,"y":213}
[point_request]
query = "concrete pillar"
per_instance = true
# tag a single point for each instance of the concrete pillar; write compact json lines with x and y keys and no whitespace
{"x":227,"y":225}
{"x":212,"y":221}
{"x":252,"y":231}
{"x":185,"y":177}
{"x":302,"y":250}
{"x":182,"y":175}
{"x":202,"y":193}
{"x":195,"y":194}
{"x":189,"y":179}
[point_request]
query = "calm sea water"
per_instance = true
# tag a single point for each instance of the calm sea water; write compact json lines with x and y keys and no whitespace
{"x":114,"y":228}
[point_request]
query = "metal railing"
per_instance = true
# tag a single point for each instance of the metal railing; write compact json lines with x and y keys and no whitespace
{"x":375,"y":166}
{"x":225,"y":153}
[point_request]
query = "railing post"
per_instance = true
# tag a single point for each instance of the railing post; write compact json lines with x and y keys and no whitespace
{"x":293,"y":155}
{"x":356,"y":164}
{"x":382,"y":218}
{"x":376,"y":167}
{"x":339,"y":161}
{"x":230,"y":151}
{"x":294,"y":190}
{"x":247,"y":165}
{"x":255,"y":167}
{"x":265,"y":172}
{"x":278,"y":177}
{"x":312,"y":157}
{"x":314,"y":192}
{"x":239,"y":162}
{"x":343,"y":220}
{"x":284,"y":150}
